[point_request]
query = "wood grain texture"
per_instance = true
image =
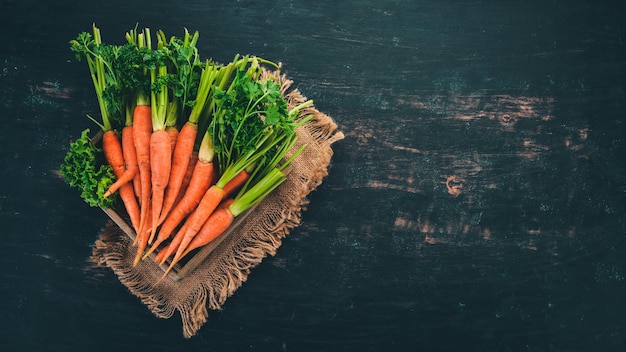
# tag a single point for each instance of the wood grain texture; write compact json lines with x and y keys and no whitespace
{"x":477,"y":201}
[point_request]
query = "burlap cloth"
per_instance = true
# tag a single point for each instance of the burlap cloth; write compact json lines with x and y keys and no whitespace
{"x":259,"y":235}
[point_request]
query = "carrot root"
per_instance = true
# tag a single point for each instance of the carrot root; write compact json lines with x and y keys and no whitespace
{"x":113,"y":153}
{"x":215,"y":225}
{"x":200,"y":182}
{"x":142,"y":121}
{"x":180,"y":161}
{"x":206,"y":207}
{"x":142,"y":242}
{"x":160,"y":165}
{"x":130,"y":161}
{"x":235,"y":183}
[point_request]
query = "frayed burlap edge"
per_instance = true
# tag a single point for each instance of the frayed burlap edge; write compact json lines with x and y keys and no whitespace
{"x":258,"y":236}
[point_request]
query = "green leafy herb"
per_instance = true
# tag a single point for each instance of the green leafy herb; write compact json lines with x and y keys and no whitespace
{"x":184,"y":66}
{"x":84,"y":168}
{"x":254,"y":130}
{"x":246,"y":113}
{"x":118,"y":73}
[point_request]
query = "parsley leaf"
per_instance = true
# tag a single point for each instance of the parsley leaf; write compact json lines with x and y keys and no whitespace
{"x":84,"y":169}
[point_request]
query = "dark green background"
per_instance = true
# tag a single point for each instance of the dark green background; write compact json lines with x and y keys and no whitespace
{"x":521,"y":102}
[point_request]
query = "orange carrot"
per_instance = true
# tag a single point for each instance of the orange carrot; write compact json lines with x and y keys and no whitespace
{"x":127,"y":195}
{"x":180,"y":161}
{"x":211,"y":201}
{"x":175,"y":243}
{"x":130,"y":161}
{"x":235,"y":183}
{"x":217,"y":223}
{"x":188,"y":133}
{"x":206,"y":207}
{"x":112,"y":150}
{"x":187,"y":136}
{"x":161,"y":255}
{"x":137,"y":184}
{"x":201,"y":179}
{"x":225,"y":203}
{"x":191,"y":165}
{"x":160,"y":142}
{"x":103,"y":76}
{"x":222,"y":218}
{"x":142,"y":122}
{"x":160,"y":164}
{"x":172,"y":132}
{"x":200,"y":182}
{"x":138,"y":114}
{"x":142,"y":242}
{"x":171,"y":118}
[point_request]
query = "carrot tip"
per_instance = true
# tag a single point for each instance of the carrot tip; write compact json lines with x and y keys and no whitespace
{"x":163,"y":261}
{"x":151,"y":237}
{"x":165,"y":273}
{"x":150,"y":251}
{"x":137,"y":259}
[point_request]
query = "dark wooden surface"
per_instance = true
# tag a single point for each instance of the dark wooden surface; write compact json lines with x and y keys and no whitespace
{"x":477,"y":202}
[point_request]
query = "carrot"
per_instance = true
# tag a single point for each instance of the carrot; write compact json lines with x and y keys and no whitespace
{"x":142,"y":122}
{"x":130,"y":161}
{"x":191,"y":165}
{"x":180,"y":161}
{"x":223,"y":217}
{"x":187,"y":135}
{"x":160,"y":163}
{"x":109,"y":68}
{"x":161,"y":255}
{"x":127,"y":195}
{"x":200,"y":181}
{"x":235,"y":183}
{"x":137,"y":183}
{"x":160,"y":145}
{"x":215,"y":194}
{"x":174,"y":244}
{"x":197,"y":187}
{"x":112,"y":150}
{"x":172,"y":133}
{"x":196,"y":220}
{"x":142,"y":242}
{"x":170,"y":124}
{"x":138,"y":110}
{"x":210,"y":200}
{"x":215,"y":225}
{"x":225,"y":203}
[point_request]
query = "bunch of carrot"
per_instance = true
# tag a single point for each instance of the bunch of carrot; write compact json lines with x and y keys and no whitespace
{"x":201,"y":142}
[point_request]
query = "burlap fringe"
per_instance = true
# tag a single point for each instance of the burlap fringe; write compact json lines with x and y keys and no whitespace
{"x":227,"y":268}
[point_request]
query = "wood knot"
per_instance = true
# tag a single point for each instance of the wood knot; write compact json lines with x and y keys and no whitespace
{"x":454,"y":185}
